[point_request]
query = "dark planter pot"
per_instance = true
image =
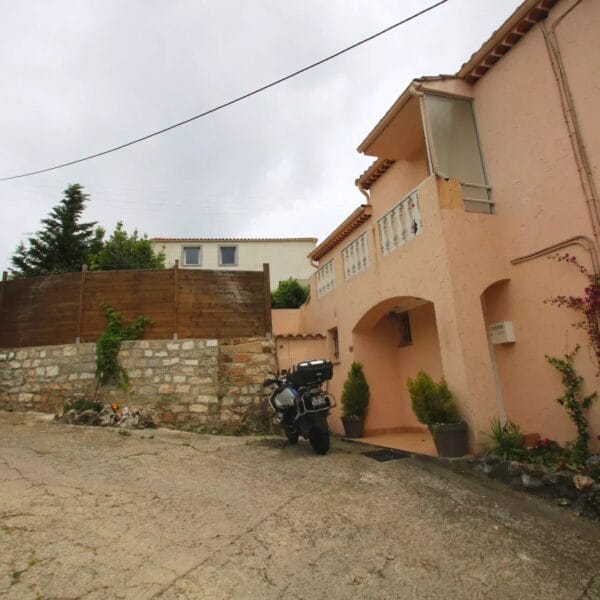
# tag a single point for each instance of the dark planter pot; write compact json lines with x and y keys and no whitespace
{"x":450,"y":439}
{"x":354,"y":427}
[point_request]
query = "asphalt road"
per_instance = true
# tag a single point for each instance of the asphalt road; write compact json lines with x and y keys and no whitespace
{"x":88,"y":513}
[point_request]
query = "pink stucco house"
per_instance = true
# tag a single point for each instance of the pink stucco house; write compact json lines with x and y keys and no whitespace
{"x":478,"y":179}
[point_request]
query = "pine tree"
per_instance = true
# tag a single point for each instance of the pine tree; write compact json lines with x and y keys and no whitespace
{"x":63,"y":244}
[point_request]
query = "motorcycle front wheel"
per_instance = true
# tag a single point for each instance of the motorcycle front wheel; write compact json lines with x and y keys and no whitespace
{"x":292,"y":435}
{"x":319,"y":438}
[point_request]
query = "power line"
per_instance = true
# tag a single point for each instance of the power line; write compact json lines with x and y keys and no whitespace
{"x":235,"y":100}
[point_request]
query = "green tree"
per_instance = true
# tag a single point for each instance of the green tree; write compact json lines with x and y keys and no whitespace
{"x":63,"y":244}
{"x":124,"y":251}
{"x":289,"y":294}
{"x":356,"y":393}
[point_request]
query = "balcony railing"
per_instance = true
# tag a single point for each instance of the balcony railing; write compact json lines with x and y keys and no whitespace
{"x":356,"y":256}
{"x":400,"y":224}
{"x":325,"y":279}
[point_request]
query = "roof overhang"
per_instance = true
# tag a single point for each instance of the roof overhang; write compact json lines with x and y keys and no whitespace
{"x":504,"y":38}
{"x":399,"y":134}
{"x":355,"y":220}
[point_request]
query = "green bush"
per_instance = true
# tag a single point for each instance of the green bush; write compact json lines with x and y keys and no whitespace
{"x":506,"y":440}
{"x":289,"y":294}
{"x":356,"y":393}
{"x":432,"y":402}
{"x":81,"y":405}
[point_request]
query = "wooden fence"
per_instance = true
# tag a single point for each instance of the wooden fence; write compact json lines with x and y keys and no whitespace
{"x":182,"y":303}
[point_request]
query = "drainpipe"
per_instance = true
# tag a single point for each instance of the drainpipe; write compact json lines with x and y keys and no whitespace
{"x":364,"y":192}
{"x":570,"y":115}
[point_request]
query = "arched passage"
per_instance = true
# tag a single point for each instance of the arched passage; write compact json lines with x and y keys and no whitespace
{"x":394,"y":340}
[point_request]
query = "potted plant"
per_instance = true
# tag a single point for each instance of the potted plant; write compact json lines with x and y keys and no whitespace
{"x":434,"y":406}
{"x":355,"y":401}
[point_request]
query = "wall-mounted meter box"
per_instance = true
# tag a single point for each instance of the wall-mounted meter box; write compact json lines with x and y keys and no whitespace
{"x":502,"y":333}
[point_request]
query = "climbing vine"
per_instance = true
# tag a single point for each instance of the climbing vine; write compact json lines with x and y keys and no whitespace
{"x":575,"y":408}
{"x":588,"y":303}
{"x":109,"y":343}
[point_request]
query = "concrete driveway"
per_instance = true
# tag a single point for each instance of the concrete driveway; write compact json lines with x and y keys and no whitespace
{"x":89,"y":513}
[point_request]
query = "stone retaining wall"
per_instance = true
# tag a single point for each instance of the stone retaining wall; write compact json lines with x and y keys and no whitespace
{"x":212,"y":385}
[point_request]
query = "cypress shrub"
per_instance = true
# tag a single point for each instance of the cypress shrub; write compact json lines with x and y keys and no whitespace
{"x":356,"y":393}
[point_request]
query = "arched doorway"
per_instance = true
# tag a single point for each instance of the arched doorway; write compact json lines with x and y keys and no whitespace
{"x":394,"y":340}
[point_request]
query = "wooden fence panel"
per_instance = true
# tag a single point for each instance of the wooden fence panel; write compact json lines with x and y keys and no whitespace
{"x":58,"y":309}
{"x":40,"y":310}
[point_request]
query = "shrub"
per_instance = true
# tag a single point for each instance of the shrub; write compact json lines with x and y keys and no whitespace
{"x":432,"y":402}
{"x":109,"y":343}
{"x":506,"y":440}
{"x":289,"y":294}
{"x":575,"y":408}
{"x":81,"y":405}
{"x":356,"y":393}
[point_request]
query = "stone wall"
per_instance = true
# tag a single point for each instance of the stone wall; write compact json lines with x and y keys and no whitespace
{"x":211,"y":385}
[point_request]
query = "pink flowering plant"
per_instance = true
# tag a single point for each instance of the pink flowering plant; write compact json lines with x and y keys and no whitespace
{"x":588,"y":304}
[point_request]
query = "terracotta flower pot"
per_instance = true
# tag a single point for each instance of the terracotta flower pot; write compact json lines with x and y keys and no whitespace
{"x":450,"y":439}
{"x":354,"y":427}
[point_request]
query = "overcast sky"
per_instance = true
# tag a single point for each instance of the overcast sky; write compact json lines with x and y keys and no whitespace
{"x":79,"y":76}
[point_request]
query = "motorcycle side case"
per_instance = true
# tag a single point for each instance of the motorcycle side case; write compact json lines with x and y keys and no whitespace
{"x":310,"y":372}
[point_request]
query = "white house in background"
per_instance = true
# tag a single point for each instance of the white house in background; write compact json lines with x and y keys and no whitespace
{"x":287,"y":257}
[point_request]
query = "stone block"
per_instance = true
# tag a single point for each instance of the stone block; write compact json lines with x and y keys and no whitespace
{"x":191,"y":362}
{"x":148,"y":353}
{"x":52,"y":371}
{"x":70,"y":351}
{"x":173,"y":347}
{"x":198,"y":408}
{"x":212,"y":343}
{"x":182,"y":388}
{"x":168,"y":362}
{"x":188,"y":345}
{"x":207,"y":399}
{"x":166,"y":388}
{"x":25,"y":397}
{"x":179,"y":378}
{"x":87,"y":376}
{"x":148,"y":372}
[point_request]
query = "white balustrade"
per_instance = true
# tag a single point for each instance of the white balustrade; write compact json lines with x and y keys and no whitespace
{"x":356,"y":256}
{"x":325,"y":279}
{"x":400,"y":224}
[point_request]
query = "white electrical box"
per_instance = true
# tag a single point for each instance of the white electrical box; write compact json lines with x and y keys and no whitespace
{"x":502,"y":333}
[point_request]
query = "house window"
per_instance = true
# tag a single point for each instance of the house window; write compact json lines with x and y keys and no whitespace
{"x":334,"y":344}
{"x":192,"y":256}
{"x":227,"y":256}
{"x":455,"y":149}
{"x":404,"y":328}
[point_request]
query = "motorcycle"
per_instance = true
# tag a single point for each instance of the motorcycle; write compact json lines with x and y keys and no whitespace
{"x":300,"y":404}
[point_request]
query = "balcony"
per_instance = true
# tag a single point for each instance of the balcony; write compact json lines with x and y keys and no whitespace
{"x":400,"y":224}
{"x":325,"y":279}
{"x":356,"y":256}
{"x":397,"y":227}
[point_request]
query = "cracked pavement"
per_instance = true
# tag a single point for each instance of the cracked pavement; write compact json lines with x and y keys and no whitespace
{"x":88,"y":513}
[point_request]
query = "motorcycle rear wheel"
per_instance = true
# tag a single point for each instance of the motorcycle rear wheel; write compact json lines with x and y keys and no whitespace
{"x":319,"y":439}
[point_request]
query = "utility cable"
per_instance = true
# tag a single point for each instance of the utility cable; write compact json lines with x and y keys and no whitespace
{"x":235,"y":100}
